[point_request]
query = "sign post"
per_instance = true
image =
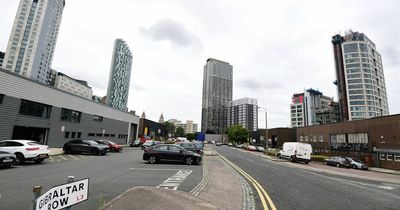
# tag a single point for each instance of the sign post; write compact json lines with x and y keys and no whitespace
{"x":63,"y":196}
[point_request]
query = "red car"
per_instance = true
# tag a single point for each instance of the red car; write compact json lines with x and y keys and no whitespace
{"x":113,"y":146}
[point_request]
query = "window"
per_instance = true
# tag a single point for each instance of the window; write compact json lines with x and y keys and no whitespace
{"x":79,"y":135}
{"x":301,"y":138}
{"x":66,"y":135}
{"x":70,"y":115}
{"x":1,"y":98}
{"x":161,"y":148}
{"x":73,"y":135}
{"x":382,"y":156}
{"x":97,"y":118}
{"x":99,"y":134}
{"x":389,"y":157}
{"x":34,"y":109}
{"x":90,"y":134}
{"x":174,"y":149}
{"x":321,"y":138}
{"x":397,"y":157}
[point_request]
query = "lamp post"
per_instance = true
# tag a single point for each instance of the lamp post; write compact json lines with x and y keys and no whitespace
{"x":266,"y":128}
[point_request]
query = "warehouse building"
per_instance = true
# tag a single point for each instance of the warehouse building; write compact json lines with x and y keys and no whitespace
{"x":36,"y":111}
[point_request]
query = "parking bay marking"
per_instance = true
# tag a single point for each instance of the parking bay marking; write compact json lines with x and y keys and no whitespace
{"x":173,"y":182}
{"x":63,"y":157}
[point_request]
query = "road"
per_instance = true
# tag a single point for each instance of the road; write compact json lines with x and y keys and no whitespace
{"x":109,"y":176}
{"x":291,"y":187}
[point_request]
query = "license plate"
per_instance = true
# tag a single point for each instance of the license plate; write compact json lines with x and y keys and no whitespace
{"x":7,"y":161}
{"x":43,"y":155}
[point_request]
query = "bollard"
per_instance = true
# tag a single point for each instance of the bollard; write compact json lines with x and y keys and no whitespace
{"x":69,"y":180}
{"x":37,"y":191}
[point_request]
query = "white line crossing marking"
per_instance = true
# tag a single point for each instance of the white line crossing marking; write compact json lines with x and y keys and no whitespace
{"x":173,"y":182}
{"x":155,"y":169}
{"x":63,"y":157}
{"x":73,"y":157}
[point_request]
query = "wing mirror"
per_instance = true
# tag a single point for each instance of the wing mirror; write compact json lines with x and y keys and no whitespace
{"x":180,"y":151}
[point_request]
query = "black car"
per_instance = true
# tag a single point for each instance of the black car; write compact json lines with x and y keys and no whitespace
{"x":6,"y":159}
{"x":337,"y":161}
{"x":170,"y":152}
{"x":191,"y":147}
{"x":85,"y":146}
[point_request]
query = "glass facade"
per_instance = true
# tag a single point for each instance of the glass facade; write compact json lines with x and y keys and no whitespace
{"x":120,"y":73}
{"x":34,"y":109}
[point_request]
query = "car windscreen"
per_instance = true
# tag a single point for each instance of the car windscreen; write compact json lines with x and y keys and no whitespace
{"x":91,"y":142}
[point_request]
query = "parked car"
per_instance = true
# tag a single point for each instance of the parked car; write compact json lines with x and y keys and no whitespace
{"x":25,"y":150}
{"x":191,"y":147}
{"x":230,"y":144}
{"x":357,"y":164}
{"x":170,"y":152}
{"x":219,"y":143}
{"x":85,"y":146}
{"x":239,"y":145}
{"x":7,"y":159}
{"x":112,"y":146}
{"x":337,"y":161}
{"x":200,"y":144}
{"x":260,"y":149}
{"x":251,"y":148}
{"x":296,"y":151}
{"x":135,"y":143}
{"x":148,"y":143}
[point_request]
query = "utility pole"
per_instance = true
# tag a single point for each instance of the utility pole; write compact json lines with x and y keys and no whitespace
{"x":266,"y":128}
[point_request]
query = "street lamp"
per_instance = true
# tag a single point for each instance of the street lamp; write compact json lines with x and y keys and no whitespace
{"x":266,"y":128}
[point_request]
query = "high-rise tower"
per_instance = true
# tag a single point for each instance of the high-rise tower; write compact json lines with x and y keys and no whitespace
{"x":33,"y":38}
{"x":120,"y":74}
{"x":217,"y":91}
{"x":360,"y":78}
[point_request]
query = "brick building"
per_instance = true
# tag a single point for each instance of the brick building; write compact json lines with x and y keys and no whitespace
{"x":375,"y":140}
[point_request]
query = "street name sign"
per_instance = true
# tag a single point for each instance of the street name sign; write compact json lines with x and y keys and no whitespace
{"x":65,"y":195}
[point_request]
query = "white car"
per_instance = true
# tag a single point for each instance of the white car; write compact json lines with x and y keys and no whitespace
{"x":260,"y":149}
{"x":25,"y":150}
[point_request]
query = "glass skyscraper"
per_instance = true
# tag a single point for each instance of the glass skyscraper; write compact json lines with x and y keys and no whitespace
{"x":217,"y":92}
{"x":33,"y":38}
{"x":360,"y":77}
{"x":120,"y":74}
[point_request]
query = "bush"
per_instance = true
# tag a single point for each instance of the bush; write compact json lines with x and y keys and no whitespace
{"x":318,"y":158}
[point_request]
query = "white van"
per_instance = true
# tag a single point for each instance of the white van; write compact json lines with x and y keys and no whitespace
{"x":296,"y":151}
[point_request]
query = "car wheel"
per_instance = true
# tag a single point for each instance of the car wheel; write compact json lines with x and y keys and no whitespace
{"x":20,"y":158}
{"x":189,"y":160}
{"x":152,"y":159}
{"x":39,"y":160}
{"x":337,"y":165}
{"x":354,"y":166}
{"x":306,"y":162}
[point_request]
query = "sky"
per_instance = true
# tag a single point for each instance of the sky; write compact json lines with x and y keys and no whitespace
{"x":277,"y":48}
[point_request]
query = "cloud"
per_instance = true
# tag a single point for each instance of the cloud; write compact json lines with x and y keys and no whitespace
{"x":254,"y":85}
{"x":171,"y":30}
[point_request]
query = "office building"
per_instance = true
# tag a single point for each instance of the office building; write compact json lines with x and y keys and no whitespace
{"x":120,"y":74}
{"x":33,"y":110}
{"x":33,"y":38}
{"x":217,"y":92}
{"x":1,"y":58}
{"x":190,"y":127}
{"x":74,"y":86}
{"x":312,"y":108}
{"x":243,"y":112}
{"x":360,"y":77}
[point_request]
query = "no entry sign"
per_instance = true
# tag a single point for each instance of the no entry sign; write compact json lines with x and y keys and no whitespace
{"x":65,"y":195}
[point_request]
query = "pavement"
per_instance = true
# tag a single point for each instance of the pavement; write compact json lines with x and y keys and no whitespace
{"x":291,"y":186}
{"x":56,"y":151}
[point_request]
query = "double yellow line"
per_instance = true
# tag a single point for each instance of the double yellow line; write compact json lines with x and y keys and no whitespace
{"x":260,"y":190}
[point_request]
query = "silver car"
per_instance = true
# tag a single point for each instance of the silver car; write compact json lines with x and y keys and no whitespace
{"x":357,"y":164}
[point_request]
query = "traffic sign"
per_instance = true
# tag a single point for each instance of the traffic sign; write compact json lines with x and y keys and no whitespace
{"x":63,"y":196}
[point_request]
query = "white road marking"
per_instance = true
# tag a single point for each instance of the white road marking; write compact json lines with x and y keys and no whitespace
{"x":155,"y":169}
{"x":173,"y":182}
{"x":63,"y":157}
{"x":73,"y":157}
{"x":82,"y":156}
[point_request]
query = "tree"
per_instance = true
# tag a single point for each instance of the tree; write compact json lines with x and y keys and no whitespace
{"x":180,"y":132}
{"x":237,"y":134}
{"x":191,"y":136}
{"x":170,"y":127}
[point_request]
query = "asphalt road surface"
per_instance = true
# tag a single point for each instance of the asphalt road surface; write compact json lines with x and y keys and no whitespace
{"x":109,"y":176}
{"x":294,"y":188}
